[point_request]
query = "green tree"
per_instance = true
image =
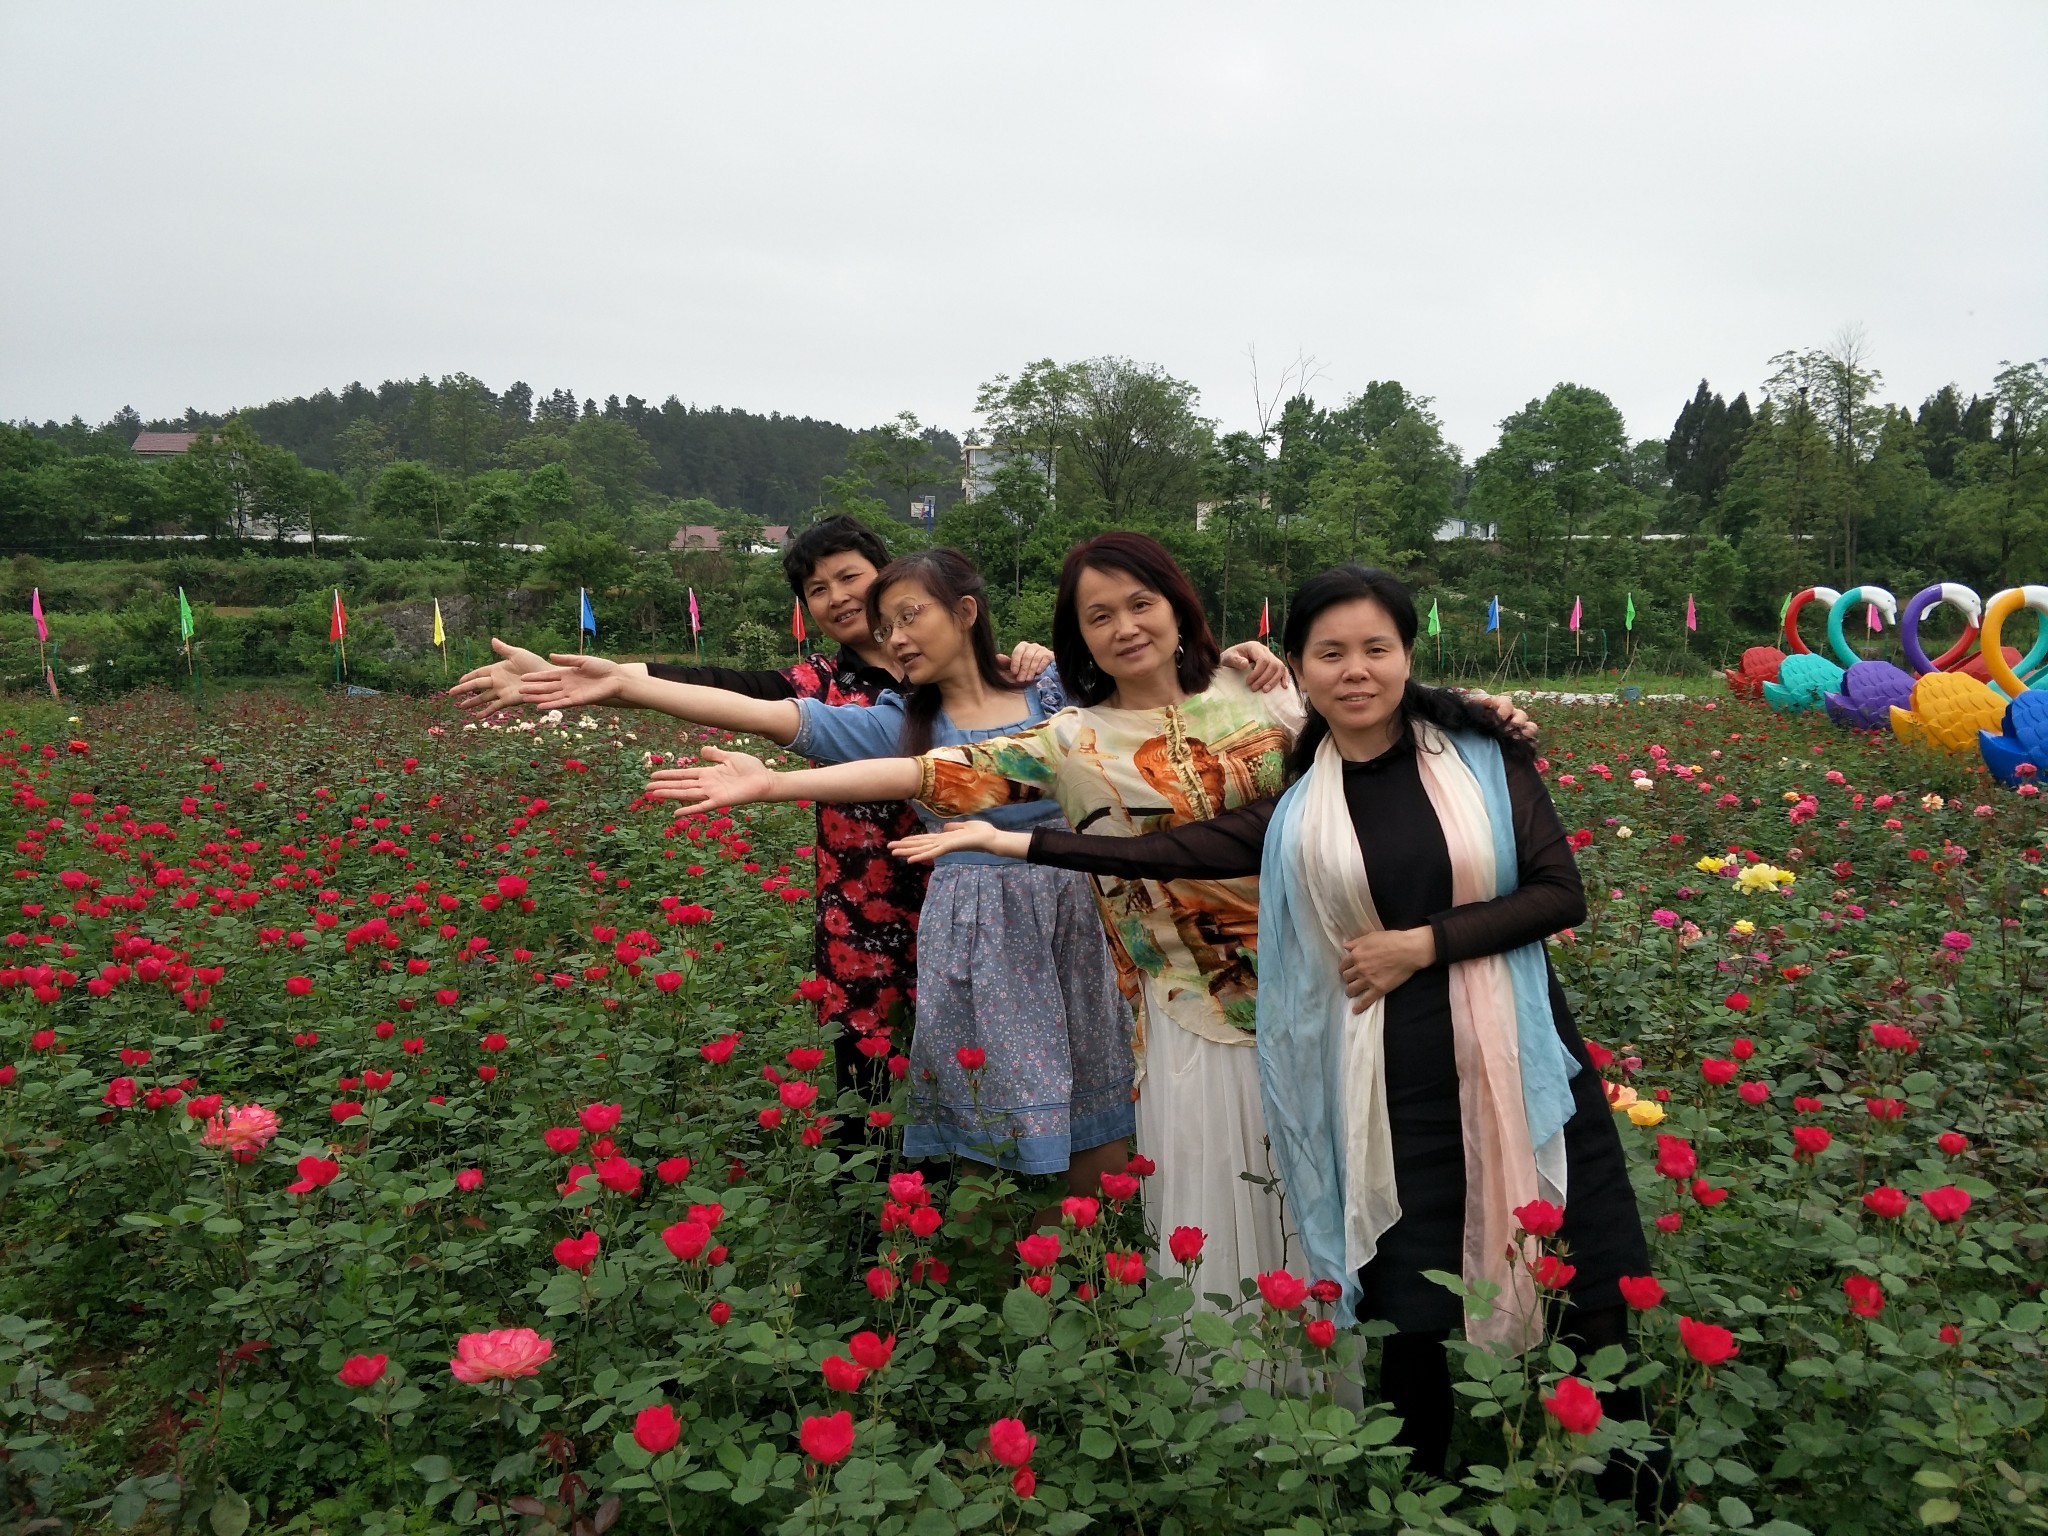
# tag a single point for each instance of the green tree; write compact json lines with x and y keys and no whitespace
{"x":1558,"y":465}
{"x":609,"y":454}
{"x":409,"y":498}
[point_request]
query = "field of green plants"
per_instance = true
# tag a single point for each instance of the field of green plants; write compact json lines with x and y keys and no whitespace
{"x":407,"y":1128}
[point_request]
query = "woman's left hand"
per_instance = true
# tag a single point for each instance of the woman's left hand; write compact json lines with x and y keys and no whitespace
{"x":1024,"y":662}
{"x":1512,"y":715}
{"x":1376,"y":963}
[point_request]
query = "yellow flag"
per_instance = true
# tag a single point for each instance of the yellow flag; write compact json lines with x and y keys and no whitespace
{"x":440,"y":634}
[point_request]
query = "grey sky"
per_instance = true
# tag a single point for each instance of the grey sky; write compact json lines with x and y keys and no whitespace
{"x":850,"y":210}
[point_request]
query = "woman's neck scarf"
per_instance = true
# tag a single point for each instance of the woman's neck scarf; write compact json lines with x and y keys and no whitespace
{"x":1322,"y":1068}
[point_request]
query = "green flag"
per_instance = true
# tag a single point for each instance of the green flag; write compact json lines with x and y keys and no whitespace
{"x":1784,"y":607}
{"x":1629,"y":620}
{"x":184,"y":616}
{"x":1435,"y":624}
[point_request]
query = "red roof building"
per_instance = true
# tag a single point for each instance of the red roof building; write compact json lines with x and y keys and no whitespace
{"x":163,"y":445}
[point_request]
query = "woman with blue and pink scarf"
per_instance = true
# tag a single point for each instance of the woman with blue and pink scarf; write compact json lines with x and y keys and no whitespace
{"x":1422,"y":1077}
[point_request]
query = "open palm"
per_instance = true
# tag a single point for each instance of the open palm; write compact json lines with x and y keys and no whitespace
{"x":724,"y":779}
{"x":570,"y":682}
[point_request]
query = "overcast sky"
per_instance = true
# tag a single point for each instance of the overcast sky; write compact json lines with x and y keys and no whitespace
{"x":850,"y":210}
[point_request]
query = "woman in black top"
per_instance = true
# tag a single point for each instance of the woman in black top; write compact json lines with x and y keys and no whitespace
{"x":1349,"y":638}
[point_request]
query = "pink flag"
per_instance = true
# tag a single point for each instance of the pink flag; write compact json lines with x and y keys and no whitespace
{"x":1578,"y":614}
{"x":693,"y":610}
{"x":1692,"y":614}
{"x":35,"y":607}
{"x":1870,"y":617}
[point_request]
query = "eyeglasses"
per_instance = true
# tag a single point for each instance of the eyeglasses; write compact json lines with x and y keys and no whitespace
{"x":902,"y":620}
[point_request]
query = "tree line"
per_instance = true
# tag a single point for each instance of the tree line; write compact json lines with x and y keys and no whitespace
{"x":1818,"y":480}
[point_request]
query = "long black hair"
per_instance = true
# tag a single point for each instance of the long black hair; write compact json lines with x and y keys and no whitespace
{"x":1441,"y":707}
{"x":949,"y":576}
{"x":1146,"y":561}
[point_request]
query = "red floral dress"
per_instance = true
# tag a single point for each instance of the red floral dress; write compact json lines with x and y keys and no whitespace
{"x":868,"y":901}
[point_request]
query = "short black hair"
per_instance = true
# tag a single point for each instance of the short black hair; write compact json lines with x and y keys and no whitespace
{"x":834,"y":536}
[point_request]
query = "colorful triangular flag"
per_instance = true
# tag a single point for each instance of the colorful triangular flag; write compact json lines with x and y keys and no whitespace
{"x":587,"y":621}
{"x":1870,"y":617}
{"x":1436,"y":624}
{"x":1578,"y":615}
{"x":184,"y":616}
{"x":693,"y":610}
{"x":35,"y":608}
{"x":1692,"y":614}
{"x":796,"y":621}
{"x":1265,"y":618}
{"x":440,"y":634}
{"x":1628,"y":620}
{"x":1493,"y":614}
{"x":337,"y":621}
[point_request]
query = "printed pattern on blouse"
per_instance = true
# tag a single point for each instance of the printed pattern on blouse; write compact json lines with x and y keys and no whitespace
{"x":1124,"y":772}
{"x":868,"y":900}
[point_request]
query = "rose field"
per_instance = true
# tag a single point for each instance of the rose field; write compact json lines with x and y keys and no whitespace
{"x":409,"y":1128}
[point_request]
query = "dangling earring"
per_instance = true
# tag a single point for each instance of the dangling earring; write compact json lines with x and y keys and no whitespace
{"x":1180,"y":651}
{"x":1091,"y":677}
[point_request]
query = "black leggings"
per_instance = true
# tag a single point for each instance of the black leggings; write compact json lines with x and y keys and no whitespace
{"x":1415,"y":1378}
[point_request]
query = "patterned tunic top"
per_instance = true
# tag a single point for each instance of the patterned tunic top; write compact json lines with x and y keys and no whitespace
{"x":1122,"y":772}
{"x":868,"y":901}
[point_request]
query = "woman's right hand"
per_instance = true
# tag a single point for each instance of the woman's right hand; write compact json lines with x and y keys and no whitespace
{"x":725,"y":779}
{"x":954,"y":837}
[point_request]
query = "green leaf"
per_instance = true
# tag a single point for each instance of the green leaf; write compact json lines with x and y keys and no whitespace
{"x":1930,"y":1477}
{"x":1734,"y":1512}
{"x":434,"y":1469}
{"x":1026,"y":1313}
{"x":230,"y":1513}
{"x":1097,"y":1442}
{"x":1503,"y":1519}
{"x":1940,"y":1512}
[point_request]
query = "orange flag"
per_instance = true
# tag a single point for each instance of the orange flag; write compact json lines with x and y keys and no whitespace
{"x":796,"y":620}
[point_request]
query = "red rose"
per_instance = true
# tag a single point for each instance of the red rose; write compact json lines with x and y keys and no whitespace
{"x":971,"y":1058}
{"x":1676,"y":1158}
{"x":1810,"y":1140}
{"x":1670,"y":1222}
{"x":1322,"y":1332}
{"x":1707,"y":1343}
{"x":361,"y":1371}
{"x":1717,"y":1071}
{"x":1325,"y":1291}
{"x":1886,"y":1202}
{"x":656,"y":1429}
{"x":1552,"y":1273}
{"x":1283,"y":1291}
{"x":299,"y":986}
{"x":870,"y":1351}
{"x":561,"y":1139}
{"x":1024,"y":1483}
{"x":577,"y":1253}
{"x":1742,"y":1049}
{"x":672,"y":1170}
{"x":469,"y":1179}
{"x":1953,"y":1143}
{"x":881,"y":1283}
{"x":827,"y":1438}
{"x":1946,"y":1203}
{"x":1574,"y":1405}
{"x":1539,"y":1218}
{"x":344,"y":1109}
{"x":1185,"y":1244}
{"x":1951,"y":1334}
{"x":599,"y":1118}
{"x":720,"y":1313}
{"x":1641,"y":1291}
{"x":1866,"y":1296}
{"x":1041,"y":1250}
{"x":1885,"y":1109}
{"x":686,"y":1239}
{"x":1739,"y":1001}
{"x":1706,"y":1194}
{"x":841,"y":1374}
{"x":1010,"y":1443}
{"x":1754,"y":1093}
{"x":1118,"y":1186}
{"x":1124,"y":1268}
{"x":1081,"y":1210}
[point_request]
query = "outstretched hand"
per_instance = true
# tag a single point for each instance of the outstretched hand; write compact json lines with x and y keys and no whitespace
{"x":1263,"y":671}
{"x":954,"y":837}
{"x":723,"y":779}
{"x":495,"y":685}
{"x":572,"y":682}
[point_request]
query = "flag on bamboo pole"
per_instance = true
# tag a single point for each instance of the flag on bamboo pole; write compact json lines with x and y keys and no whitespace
{"x":1265,"y":618}
{"x":337,"y":622}
{"x":1870,"y":617}
{"x":440,"y":633}
{"x":796,"y":620}
{"x":35,"y":608}
{"x":1785,"y":607}
{"x":586,"y":619}
{"x":1436,"y":624}
{"x":1493,"y":614}
{"x":184,"y":617}
{"x":1692,"y":614}
{"x":1628,"y":620}
{"x":1578,"y":615}
{"x":693,"y":612}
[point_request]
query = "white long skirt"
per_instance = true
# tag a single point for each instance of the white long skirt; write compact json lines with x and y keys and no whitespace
{"x":1200,"y":1118}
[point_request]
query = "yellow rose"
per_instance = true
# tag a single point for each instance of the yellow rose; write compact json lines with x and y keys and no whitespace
{"x":1620,"y":1096}
{"x":1646,"y":1113}
{"x":1742,"y":927}
{"x":1710,"y":865}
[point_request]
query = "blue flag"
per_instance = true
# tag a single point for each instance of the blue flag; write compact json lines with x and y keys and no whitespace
{"x":589,"y":622}
{"x":1493,"y":615}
